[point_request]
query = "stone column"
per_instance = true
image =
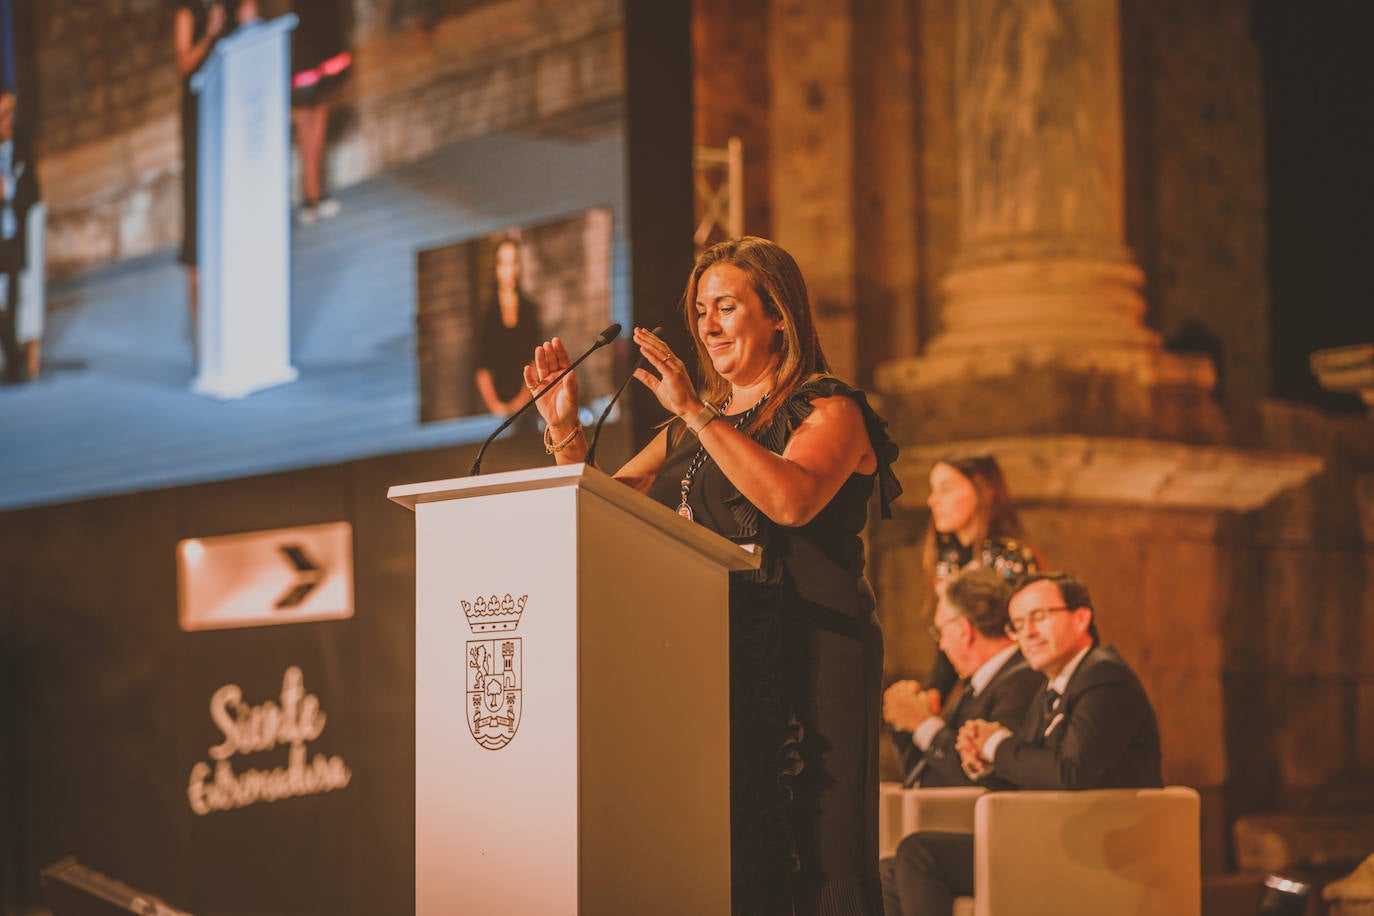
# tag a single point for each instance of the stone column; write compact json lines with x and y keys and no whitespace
{"x":1043,"y":275}
{"x":811,"y":129}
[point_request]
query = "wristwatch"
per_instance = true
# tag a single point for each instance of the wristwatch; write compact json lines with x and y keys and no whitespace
{"x":707,"y":414}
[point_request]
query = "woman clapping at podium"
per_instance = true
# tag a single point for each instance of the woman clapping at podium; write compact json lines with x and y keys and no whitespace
{"x":773,"y":451}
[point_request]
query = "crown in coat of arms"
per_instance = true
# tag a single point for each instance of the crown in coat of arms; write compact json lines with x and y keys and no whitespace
{"x":495,"y":613}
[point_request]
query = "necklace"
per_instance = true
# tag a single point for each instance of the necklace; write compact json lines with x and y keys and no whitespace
{"x":700,"y":458}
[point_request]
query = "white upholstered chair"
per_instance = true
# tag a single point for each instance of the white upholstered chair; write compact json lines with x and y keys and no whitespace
{"x":1134,"y":852}
{"x":902,"y":811}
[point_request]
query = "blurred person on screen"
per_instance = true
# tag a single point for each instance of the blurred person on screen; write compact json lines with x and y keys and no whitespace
{"x":509,"y":333}
{"x":18,"y":192}
{"x":320,"y":61}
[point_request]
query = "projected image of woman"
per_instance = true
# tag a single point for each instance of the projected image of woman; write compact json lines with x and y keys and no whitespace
{"x":510,"y":331}
{"x":773,"y":451}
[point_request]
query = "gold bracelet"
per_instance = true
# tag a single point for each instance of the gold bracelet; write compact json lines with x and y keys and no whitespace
{"x":554,"y":448}
{"x":698,"y":423}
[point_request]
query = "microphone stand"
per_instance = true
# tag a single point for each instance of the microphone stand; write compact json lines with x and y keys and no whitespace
{"x":596,"y":430}
{"x":605,"y":337}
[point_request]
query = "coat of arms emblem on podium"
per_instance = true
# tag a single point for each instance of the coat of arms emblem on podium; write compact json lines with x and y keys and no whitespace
{"x":494,"y":669}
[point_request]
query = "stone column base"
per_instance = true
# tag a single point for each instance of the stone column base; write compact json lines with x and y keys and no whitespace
{"x":1148,"y":366}
{"x":1075,"y":313}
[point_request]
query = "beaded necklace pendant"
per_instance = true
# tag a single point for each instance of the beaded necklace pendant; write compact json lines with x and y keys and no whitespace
{"x":701,"y":457}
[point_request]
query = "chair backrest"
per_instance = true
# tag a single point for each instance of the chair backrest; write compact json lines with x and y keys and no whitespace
{"x":903,"y":811}
{"x":1134,"y":852}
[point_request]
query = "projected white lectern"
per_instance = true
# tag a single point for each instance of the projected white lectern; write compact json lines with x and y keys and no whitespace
{"x":571,"y":698}
{"x":243,"y":338}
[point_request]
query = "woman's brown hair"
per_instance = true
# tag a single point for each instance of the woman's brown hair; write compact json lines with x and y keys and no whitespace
{"x":778,"y":281}
{"x":996,"y":513}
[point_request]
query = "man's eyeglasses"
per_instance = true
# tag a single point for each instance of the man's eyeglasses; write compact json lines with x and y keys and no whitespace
{"x":1037,"y":617}
{"x":937,"y":631}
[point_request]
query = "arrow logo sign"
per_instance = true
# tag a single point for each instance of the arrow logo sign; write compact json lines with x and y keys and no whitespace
{"x":262,"y":578}
{"x":308,"y":576}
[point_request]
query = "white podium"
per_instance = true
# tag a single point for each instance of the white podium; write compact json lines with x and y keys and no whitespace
{"x":243,"y":337}
{"x":571,"y":699}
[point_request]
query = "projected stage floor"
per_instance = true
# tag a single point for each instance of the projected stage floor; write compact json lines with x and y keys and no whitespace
{"x":113,"y":411}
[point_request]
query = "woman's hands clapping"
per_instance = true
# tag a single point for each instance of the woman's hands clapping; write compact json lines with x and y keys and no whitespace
{"x":673,"y":385}
{"x":558,"y":407}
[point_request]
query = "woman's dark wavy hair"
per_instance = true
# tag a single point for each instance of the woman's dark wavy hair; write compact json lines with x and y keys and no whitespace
{"x":996,"y":512}
{"x":778,"y":281}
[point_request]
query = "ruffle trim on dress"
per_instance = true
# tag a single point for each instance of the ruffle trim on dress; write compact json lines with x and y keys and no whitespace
{"x":753,"y":527}
{"x":790,"y":766}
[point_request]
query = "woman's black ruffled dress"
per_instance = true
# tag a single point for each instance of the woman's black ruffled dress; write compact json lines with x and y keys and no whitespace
{"x":806,"y":659}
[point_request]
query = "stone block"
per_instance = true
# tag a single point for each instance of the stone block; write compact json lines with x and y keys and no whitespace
{"x":81,"y":240}
{"x":1253,"y":715}
{"x":555,"y":84}
{"x":1364,"y":504}
{"x":600,"y":63}
{"x":1364,"y":724}
{"x":1182,"y":605}
{"x":1244,"y":623}
{"x":1315,"y":747}
{"x":1190,"y":710}
{"x":1192,"y":101}
{"x":901,"y":586}
{"x":85,"y":175}
{"x":150,"y":217}
{"x":492,"y":30}
{"x":1232,"y":894}
{"x":1274,"y":842}
{"x":1111,"y":568}
{"x":1313,"y":605}
{"x":154,"y":147}
{"x":1038,"y":399}
{"x":1216,"y":829}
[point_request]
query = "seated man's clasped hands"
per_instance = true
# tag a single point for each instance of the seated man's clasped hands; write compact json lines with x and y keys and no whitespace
{"x":969,"y":627}
{"x":906,"y":705}
{"x":973,"y":734}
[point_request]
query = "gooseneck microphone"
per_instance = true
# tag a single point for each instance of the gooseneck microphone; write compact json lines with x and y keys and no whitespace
{"x":605,"y":337}
{"x":640,"y":363}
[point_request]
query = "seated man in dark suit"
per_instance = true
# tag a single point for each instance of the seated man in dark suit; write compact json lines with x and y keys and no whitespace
{"x":1092,"y":727}
{"x":998,"y":685}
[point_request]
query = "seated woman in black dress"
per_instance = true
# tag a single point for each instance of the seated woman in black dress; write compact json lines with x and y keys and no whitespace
{"x":775,"y":452}
{"x":973,"y":523}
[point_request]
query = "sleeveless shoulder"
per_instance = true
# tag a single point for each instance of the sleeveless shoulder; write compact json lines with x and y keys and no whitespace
{"x":798,"y":407}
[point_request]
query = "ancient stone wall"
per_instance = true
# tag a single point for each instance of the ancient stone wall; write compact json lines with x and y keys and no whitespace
{"x":1298,"y":622}
{"x":731,"y":93}
{"x":1196,"y":186}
